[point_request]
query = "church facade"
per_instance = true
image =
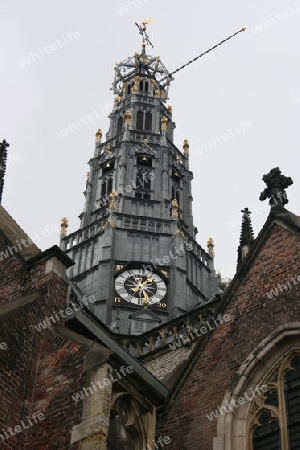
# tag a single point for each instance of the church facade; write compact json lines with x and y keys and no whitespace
{"x":123,"y":337}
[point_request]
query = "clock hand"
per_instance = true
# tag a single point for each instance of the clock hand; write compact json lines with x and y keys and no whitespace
{"x":141,"y":285}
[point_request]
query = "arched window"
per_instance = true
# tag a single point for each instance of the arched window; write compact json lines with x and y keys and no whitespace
{"x":108,"y":165}
{"x":143,"y":184}
{"x":281,"y":423}
{"x":106,"y":189}
{"x":144,"y":160}
{"x":176,"y":194}
{"x":120,"y":437}
{"x":128,"y":89}
{"x":266,"y":435}
{"x":140,"y":120}
{"x":120,"y":124}
{"x":142,"y":179}
{"x":148,"y":121}
{"x":144,"y":121}
{"x":292,"y":398}
{"x":127,"y":429}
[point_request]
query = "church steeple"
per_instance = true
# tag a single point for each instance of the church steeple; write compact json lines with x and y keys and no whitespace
{"x":136,"y":243}
{"x":246,"y":237}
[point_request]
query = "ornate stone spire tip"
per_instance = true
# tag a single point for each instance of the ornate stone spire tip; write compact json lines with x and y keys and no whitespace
{"x":276,"y":185}
{"x":211,"y":247}
{"x":63,"y":227}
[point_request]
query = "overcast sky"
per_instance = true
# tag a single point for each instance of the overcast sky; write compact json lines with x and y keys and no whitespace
{"x":239,"y":108}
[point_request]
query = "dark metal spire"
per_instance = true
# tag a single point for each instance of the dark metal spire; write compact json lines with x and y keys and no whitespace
{"x":246,"y":237}
{"x":143,"y":31}
{"x":276,"y":185}
{"x":3,"y":158}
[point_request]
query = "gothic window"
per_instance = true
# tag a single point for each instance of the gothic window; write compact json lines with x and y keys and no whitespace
{"x":143,"y":184}
{"x":292,"y":398}
{"x":127,"y":430}
{"x":144,"y":160}
{"x":140,"y":120}
{"x":278,"y":422}
{"x":107,"y":166}
{"x":106,"y":187}
{"x":142,"y":179}
{"x":120,"y":437}
{"x":176,"y":175}
{"x":129,"y":86}
{"x":148,"y":121}
{"x":175,"y":194}
{"x":144,"y":120}
{"x":266,"y":436}
{"x":120,"y":125}
{"x":144,"y":86}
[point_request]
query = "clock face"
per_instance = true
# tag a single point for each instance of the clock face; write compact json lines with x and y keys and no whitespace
{"x":140,"y":286}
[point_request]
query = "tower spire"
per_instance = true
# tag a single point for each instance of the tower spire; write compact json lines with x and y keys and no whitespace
{"x":246,"y":237}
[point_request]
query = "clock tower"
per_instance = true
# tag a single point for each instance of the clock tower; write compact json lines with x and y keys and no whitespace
{"x":136,"y":249}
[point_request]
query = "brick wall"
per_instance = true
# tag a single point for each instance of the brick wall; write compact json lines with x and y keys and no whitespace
{"x":39,"y":370}
{"x":214,"y":373}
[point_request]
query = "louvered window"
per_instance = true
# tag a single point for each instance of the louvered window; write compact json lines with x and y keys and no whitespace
{"x":279,"y":422}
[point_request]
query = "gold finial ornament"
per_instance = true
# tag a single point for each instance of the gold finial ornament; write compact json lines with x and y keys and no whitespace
{"x":98,"y":136}
{"x":170,"y":108}
{"x":113,"y":201}
{"x":164,"y":123}
{"x":186,"y":147}
{"x":211,"y":247}
{"x":146,"y":21}
{"x":127,"y":118}
{"x":63,"y":227}
{"x":174,"y":208}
